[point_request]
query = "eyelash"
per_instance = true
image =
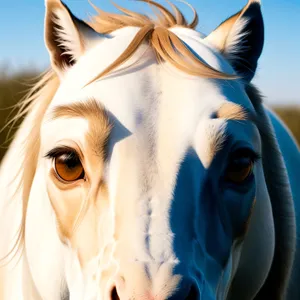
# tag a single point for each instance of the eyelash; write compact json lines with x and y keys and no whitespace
{"x":245,"y":152}
{"x":54,"y":153}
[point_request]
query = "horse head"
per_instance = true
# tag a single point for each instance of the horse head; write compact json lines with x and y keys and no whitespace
{"x":146,"y":169}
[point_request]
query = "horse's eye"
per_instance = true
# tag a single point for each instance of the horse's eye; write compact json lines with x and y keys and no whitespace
{"x":68,"y":166}
{"x":239,"y":169}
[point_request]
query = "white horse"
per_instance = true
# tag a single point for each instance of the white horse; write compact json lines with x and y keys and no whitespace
{"x":147,"y":166}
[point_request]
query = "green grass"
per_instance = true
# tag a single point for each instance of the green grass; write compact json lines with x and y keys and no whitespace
{"x":13,"y":88}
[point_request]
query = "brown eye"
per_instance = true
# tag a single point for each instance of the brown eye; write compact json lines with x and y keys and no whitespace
{"x":239,"y":170}
{"x":68,"y":166}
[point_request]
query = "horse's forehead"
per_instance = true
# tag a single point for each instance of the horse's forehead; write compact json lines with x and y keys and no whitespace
{"x":152,"y":96}
{"x":144,"y":86}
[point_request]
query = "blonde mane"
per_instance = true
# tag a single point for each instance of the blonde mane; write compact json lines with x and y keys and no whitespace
{"x":155,"y":31}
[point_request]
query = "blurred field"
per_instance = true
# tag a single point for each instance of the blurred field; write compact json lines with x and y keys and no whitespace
{"x":291,"y":117}
{"x":13,"y":88}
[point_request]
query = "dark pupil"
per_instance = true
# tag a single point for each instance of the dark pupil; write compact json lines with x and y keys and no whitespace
{"x":70,"y":160}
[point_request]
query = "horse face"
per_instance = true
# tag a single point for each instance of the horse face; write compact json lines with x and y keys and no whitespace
{"x":152,"y":173}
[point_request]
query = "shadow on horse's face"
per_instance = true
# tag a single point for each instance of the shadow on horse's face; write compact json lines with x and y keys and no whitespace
{"x":152,"y":173}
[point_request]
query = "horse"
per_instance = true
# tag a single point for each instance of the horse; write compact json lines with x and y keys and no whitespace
{"x":148,"y":167}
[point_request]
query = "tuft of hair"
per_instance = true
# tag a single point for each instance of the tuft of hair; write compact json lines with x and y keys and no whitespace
{"x":155,"y":31}
{"x":233,"y":44}
{"x":34,"y":105}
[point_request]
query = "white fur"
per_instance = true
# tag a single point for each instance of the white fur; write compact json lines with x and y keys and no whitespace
{"x":231,"y":42}
{"x":234,"y":42}
{"x":68,"y":36}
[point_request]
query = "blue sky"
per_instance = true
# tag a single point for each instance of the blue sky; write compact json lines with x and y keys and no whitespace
{"x":22,"y":45}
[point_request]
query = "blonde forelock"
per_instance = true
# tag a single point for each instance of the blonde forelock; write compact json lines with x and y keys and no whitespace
{"x":156,"y":32}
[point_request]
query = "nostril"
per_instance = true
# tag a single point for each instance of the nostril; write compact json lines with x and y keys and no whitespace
{"x":114,"y":294}
{"x":193,"y":294}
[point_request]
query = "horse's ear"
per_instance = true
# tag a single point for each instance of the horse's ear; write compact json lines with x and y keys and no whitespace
{"x":240,"y":38}
{"x":66,"y":36}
